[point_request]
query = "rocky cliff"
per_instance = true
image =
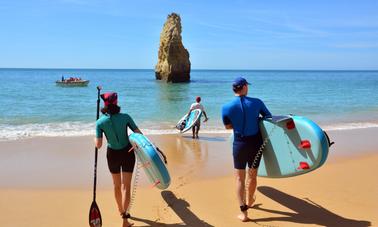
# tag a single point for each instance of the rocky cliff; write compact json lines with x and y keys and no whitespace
{"x":173,"y":59}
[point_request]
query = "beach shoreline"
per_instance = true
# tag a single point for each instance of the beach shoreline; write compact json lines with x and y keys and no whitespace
{"x":57,"y":173}
{"x":301,"y":93}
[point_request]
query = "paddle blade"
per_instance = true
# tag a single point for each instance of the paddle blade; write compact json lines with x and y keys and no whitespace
{"x":95,"y":216}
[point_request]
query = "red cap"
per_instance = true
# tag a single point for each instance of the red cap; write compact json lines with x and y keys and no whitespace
{"x":109,"y":98}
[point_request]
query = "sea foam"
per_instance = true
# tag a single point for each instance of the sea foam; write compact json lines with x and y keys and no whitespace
{"x":69,"y":129}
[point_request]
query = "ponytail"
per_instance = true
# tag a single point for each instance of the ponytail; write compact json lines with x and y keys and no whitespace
{"x":111,"y":109}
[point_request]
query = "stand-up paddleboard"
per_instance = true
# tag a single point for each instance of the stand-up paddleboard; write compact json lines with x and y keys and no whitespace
{"x":187,"y":122}
{"x":295,"y":145}
{"x":151,"y":161}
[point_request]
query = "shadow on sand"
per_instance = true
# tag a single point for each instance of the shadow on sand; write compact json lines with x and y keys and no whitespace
{"x":207,"y":138}
{"x":180,"y":207}
{"x":305,"y":211}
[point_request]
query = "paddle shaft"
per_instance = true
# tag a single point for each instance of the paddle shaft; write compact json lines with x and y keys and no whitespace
{"x":96,"y":150}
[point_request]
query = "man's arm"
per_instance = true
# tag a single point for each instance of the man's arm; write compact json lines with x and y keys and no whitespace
{"x":226,"y":120}
{"x":206,"y":118}
{"x":264,"y":111}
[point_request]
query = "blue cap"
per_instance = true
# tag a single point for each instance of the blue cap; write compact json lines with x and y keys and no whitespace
{"x":239,"y":82}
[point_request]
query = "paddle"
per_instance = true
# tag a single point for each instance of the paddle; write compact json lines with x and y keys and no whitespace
{"x":94,"y":212}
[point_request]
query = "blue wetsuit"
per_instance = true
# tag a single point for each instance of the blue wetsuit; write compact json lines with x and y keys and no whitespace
{"x":243,"y":114}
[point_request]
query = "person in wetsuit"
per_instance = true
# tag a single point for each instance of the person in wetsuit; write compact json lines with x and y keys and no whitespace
{"x":120,"y":157}
{"x":242,"y":115}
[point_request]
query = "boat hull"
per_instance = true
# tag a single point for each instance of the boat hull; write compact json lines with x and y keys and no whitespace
{"x":82,"y":83}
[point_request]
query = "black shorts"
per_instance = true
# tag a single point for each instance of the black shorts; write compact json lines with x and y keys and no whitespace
{"x":120,"y":160}
{"x":245,"y":149}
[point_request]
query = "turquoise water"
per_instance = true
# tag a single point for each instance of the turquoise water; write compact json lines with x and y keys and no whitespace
{"x":32,"y":105}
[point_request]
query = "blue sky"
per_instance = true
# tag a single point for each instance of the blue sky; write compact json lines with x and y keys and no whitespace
{"x":219,"y":34}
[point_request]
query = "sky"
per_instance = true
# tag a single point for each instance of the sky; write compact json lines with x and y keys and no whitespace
{"x":233,"y":34}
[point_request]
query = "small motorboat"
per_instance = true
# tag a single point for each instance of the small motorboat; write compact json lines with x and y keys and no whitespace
{"x":72,"y":82}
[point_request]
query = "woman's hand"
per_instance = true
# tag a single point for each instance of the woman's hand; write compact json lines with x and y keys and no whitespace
{"x":138,"y":131}
{"x":98,"y":142}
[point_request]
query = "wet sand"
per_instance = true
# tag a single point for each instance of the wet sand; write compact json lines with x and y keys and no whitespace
{"x":48,"y":182}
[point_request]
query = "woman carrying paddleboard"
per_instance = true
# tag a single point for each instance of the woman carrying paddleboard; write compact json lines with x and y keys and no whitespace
{"x":242,"y":115}
{"x":121,"y":159}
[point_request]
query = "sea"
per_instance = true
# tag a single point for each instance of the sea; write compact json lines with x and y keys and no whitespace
{"x":32,"y":105}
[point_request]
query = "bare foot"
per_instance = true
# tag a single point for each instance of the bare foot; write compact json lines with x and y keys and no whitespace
{"x":126,"y":223}
{"x":243,"y":217}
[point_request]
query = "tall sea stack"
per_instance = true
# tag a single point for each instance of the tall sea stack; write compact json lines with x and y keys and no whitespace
{"x":173,"y":60}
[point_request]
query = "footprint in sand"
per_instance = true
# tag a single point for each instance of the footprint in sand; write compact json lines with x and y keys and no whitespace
{"x":183,"y":180}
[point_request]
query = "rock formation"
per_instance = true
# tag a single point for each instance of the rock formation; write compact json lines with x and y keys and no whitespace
{"x":173,"y":59}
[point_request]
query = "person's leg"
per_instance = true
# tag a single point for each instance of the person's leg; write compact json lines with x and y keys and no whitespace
{"x":240,"y":186}
{"x":240,"y":158}
{"x":117,"y":191}
{"x":128,"y":163}
{"x":126,"y":187}
{"x":197,"y":129}
{"x":252,"y":183}
{"x":253,"y":164}
{"x":240,"y":193}
{"x":193,"y":131}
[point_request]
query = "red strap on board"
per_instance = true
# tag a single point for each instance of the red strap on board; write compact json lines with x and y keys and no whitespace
{"x":303,"y":165}
{"x":290,"y":125}
{"x":305,"y":144}
{"x":156,"y":183}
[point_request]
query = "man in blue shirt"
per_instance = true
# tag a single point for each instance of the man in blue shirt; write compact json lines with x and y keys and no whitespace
{"x":242,"y":115}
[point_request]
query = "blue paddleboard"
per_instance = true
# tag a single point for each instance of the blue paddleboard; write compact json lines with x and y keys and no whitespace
{"x":187,"y":122}
{"x":151,"y":161}
{"x":296,"y":146}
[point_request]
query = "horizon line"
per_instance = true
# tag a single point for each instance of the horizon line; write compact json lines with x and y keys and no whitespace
{"x":38,"y":68}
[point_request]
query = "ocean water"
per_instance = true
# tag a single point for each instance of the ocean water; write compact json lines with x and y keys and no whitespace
{"x":32,"y":105}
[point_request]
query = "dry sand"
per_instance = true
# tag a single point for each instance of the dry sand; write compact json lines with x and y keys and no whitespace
{"x":48,"y":182}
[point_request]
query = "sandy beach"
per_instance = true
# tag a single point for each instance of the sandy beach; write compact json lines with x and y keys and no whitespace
{"x":68,"y":67}
{"x":48,"y":182}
